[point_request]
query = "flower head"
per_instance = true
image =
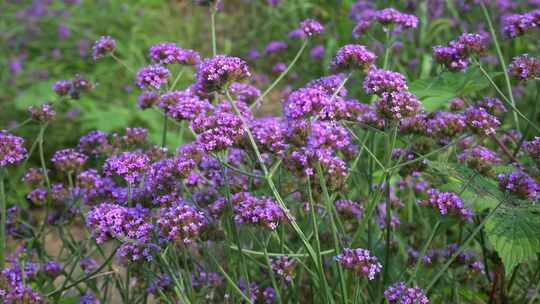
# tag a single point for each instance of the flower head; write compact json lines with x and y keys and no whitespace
{"x":520,"y":184}
{"x":216,"y":72}
{"x":104,"y":46}
{"x":311,"y":27}
{"x":128,"y":165}
{"x":399,"y":293}
{"x":360,"y":261}
{"x":68,"y":160}
{"x":378,"y":81}
{"x":353,"y":56}
{"x":11,"y":149}
{"x":153,"y":76}
{"x":524,"y":68}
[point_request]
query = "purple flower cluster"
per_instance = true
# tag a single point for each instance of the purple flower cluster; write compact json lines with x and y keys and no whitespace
{"x":524,"y":68}
{"x":398,"y":105}
{"x":480,"y":121}
{"x":520,"y":24}
{"x":399,"y":293}
{"x":269,"y":134}
{"x":311,"y":27}
{"x":349,"y":209}
{"x":493,"y":105}
{"x":359,"y":261}
{"x":447,"y":202}
{"x":243,"y":92}
{"x":392,"y":16}
{"x":519,"y":183}
{"x":351,"y":57}
{"x":104,"y":46}
{"x":11,"y":149}
{"x":14,"y":285}
{"x":455,"y":57}
{"x":263,"y":211}
{"x":153,"y":76}
{"x":378,"y":81}
{"x":93,"y":143}
{"x":218,"y":131}
{"x":181,"y":223}
{"x":169,"y":53}
{"x":284,"y":267}
{"x":147,"y":99}
{"x":183,"y":105}
{"x":128,"y":165}
{"x":73,"y":87}
{"x":445,"y":125}
{"x":68,"y":160}
{"x":479,"y":158}
{"x":42,"y":113}
{"x":533,"y":148}
{"x":330,"y":84}
{"x":275,"y":46}
{"x":219,"y":71}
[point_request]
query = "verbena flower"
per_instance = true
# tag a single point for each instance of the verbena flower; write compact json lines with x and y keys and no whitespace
{"x":317,"y":52}
{"x":217,"y":131}
{"x":524,"y":68}
{"x":393,"y":16}
{"x":275,"y":46}
{"x":520,"y":184}
{"x":244,"y":92}
{"x":128,"y":165}
{"x":378,"y":81}
{"x":480,"y":121}
{"x":447,"y":203}
{"x":519,"y":24}
{"x":169,"y":53}
{"x":311,"y":27}
{"x":284,"y":267}
{"x":493,"y":105}
{"x":359,"y":261}
{"x":68,"y":160}
{"x":398,"y":105}
{"x":349,"y":209}
{"x":42,"y":113}
{"x":93,"y":143}
{"x":353,"y":56}
{"x":147,"y":99}
{"x":181,"y":223}
{"x":330,"y":84}
{"x":183,"y":105}
{"x":104,"y":46}
{"x":11,"y":149}
{"x":399,"y":293}
{"x":153,"y":76}
{"x":479,"y":158}
{"x":217,"y":72}
{"x":262,"y":211}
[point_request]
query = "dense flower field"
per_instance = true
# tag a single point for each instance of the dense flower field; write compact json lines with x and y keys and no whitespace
{"x":403,"y":169}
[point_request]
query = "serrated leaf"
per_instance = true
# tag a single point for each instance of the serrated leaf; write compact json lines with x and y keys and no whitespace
{"x":515,"y":235}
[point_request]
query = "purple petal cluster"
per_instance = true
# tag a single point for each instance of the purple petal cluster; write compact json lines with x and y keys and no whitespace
{"x":480,"y":121}
{"x":169,"y":53}
{"x":520,"y":184}
{"x":218,"y":131}
{"x":520,"y":24}
{"x":68,"y":160}
{"x":349,"y":209}
{"x":93,"y":143}
{"x":262,"y":211}
{"x":446,"y":203}
{"x":244,"y":92}
{"x":352,"y":57}
{"x":455,"y":56}
{"x":399,"y":293}
{"x":14,"y":285}
{"x":360,"y":261}
{"x":42,"y":113}
{"x":181,"y":223}
{"x":392,"y":16}
{"x":479,"y":158}
{"x":11,"y":149}
{"x":524,"y":68}
{"x":311,"y":27}
{"x":378,"y":81}
{"x":284,"y":267}
{"x":183,"y":105}
{"x":398,"y":105}
{"x":153,"y":76}
{"x":128,"y":165}
{"x":104,"y":46}
{"x":147,"y":99}
{"x":221,"y":70}
{"x":269,"y":134}
{"x":275,"y":46}
{"x":330,"y":84}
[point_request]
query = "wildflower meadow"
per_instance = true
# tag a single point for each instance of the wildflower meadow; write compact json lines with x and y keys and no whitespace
{"x":269,"y":151}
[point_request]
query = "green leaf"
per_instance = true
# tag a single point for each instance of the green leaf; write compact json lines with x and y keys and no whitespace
{"x":435,"y":92}
{"x":69,"y":300}
{"x":515,"y":235}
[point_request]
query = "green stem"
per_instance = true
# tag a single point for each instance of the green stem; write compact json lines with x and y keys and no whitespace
{"x":423,"y":253}
{"x":280,"y":77}
{"x":3,"y":219}
{"x":501,"y":61}
{"x":164,"y":132}
{"x":478,"y":228}
{"x":213,"y":29}
{"x":122,"y":63}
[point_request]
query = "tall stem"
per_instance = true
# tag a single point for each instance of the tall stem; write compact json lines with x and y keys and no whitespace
{"x":213,"y":29}
{"x":3,"y":219}
{"x":501,"y":61}
{"x":164,"y":132}
{"x":283,"y":74}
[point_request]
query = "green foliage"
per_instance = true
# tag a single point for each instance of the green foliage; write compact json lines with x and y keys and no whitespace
{"x":515,"y":235}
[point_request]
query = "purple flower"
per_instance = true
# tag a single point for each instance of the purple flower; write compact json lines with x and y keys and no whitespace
{"x":349,"y":209}
{"x":479,"y":158}
{"x":305,"y":102}
{"x":169,"y":53}
{"x":311,"y":27}
{"x":128,"y":165}
{"x":378,"y":81}
{"x":450,"y":58}
{"x":183,"y":105}
{"x":359,"y":261}
{"x":353,"y":56}
{"x":445,"y":125}
{"x":519,"y":24}
{"x":153,"y":75}
{"x":398,"y":105}
{"x":391,"y":15}
{"x":533,"y":148}
{"x":68,"y":160}
{"x":52,"y":269}
{"x":88,"y":264}
{"x":447,"y":202}
{"x":11,"y":149}
{"x":217,"y":72}
{"x":275,"y":46}
{"x":181,"y":223}
{"x":269,"y":134}
{"x":520,"y":184}
{"x":480,"y":121}
{"x":328,"y":135}
{"x":296,"y":34}
{"x":524,"y":68}
{"x":263,"y":211}
{"x":217,"y":131}
{"x":62,"y":87}
{"x":317,"y":52}
{"x":279,"y":67}
{"x":456,"y":104}
{"x":147,"y":99}
{"x":399,"y":293}
{"x":493,"y":105}
{"x":93,"y":143}
{"x":284,"y":267}
{"x":42,"y":113}
{"x":104,"y":46}
{"x":244,"y":92}
{"x":329,"y":84}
